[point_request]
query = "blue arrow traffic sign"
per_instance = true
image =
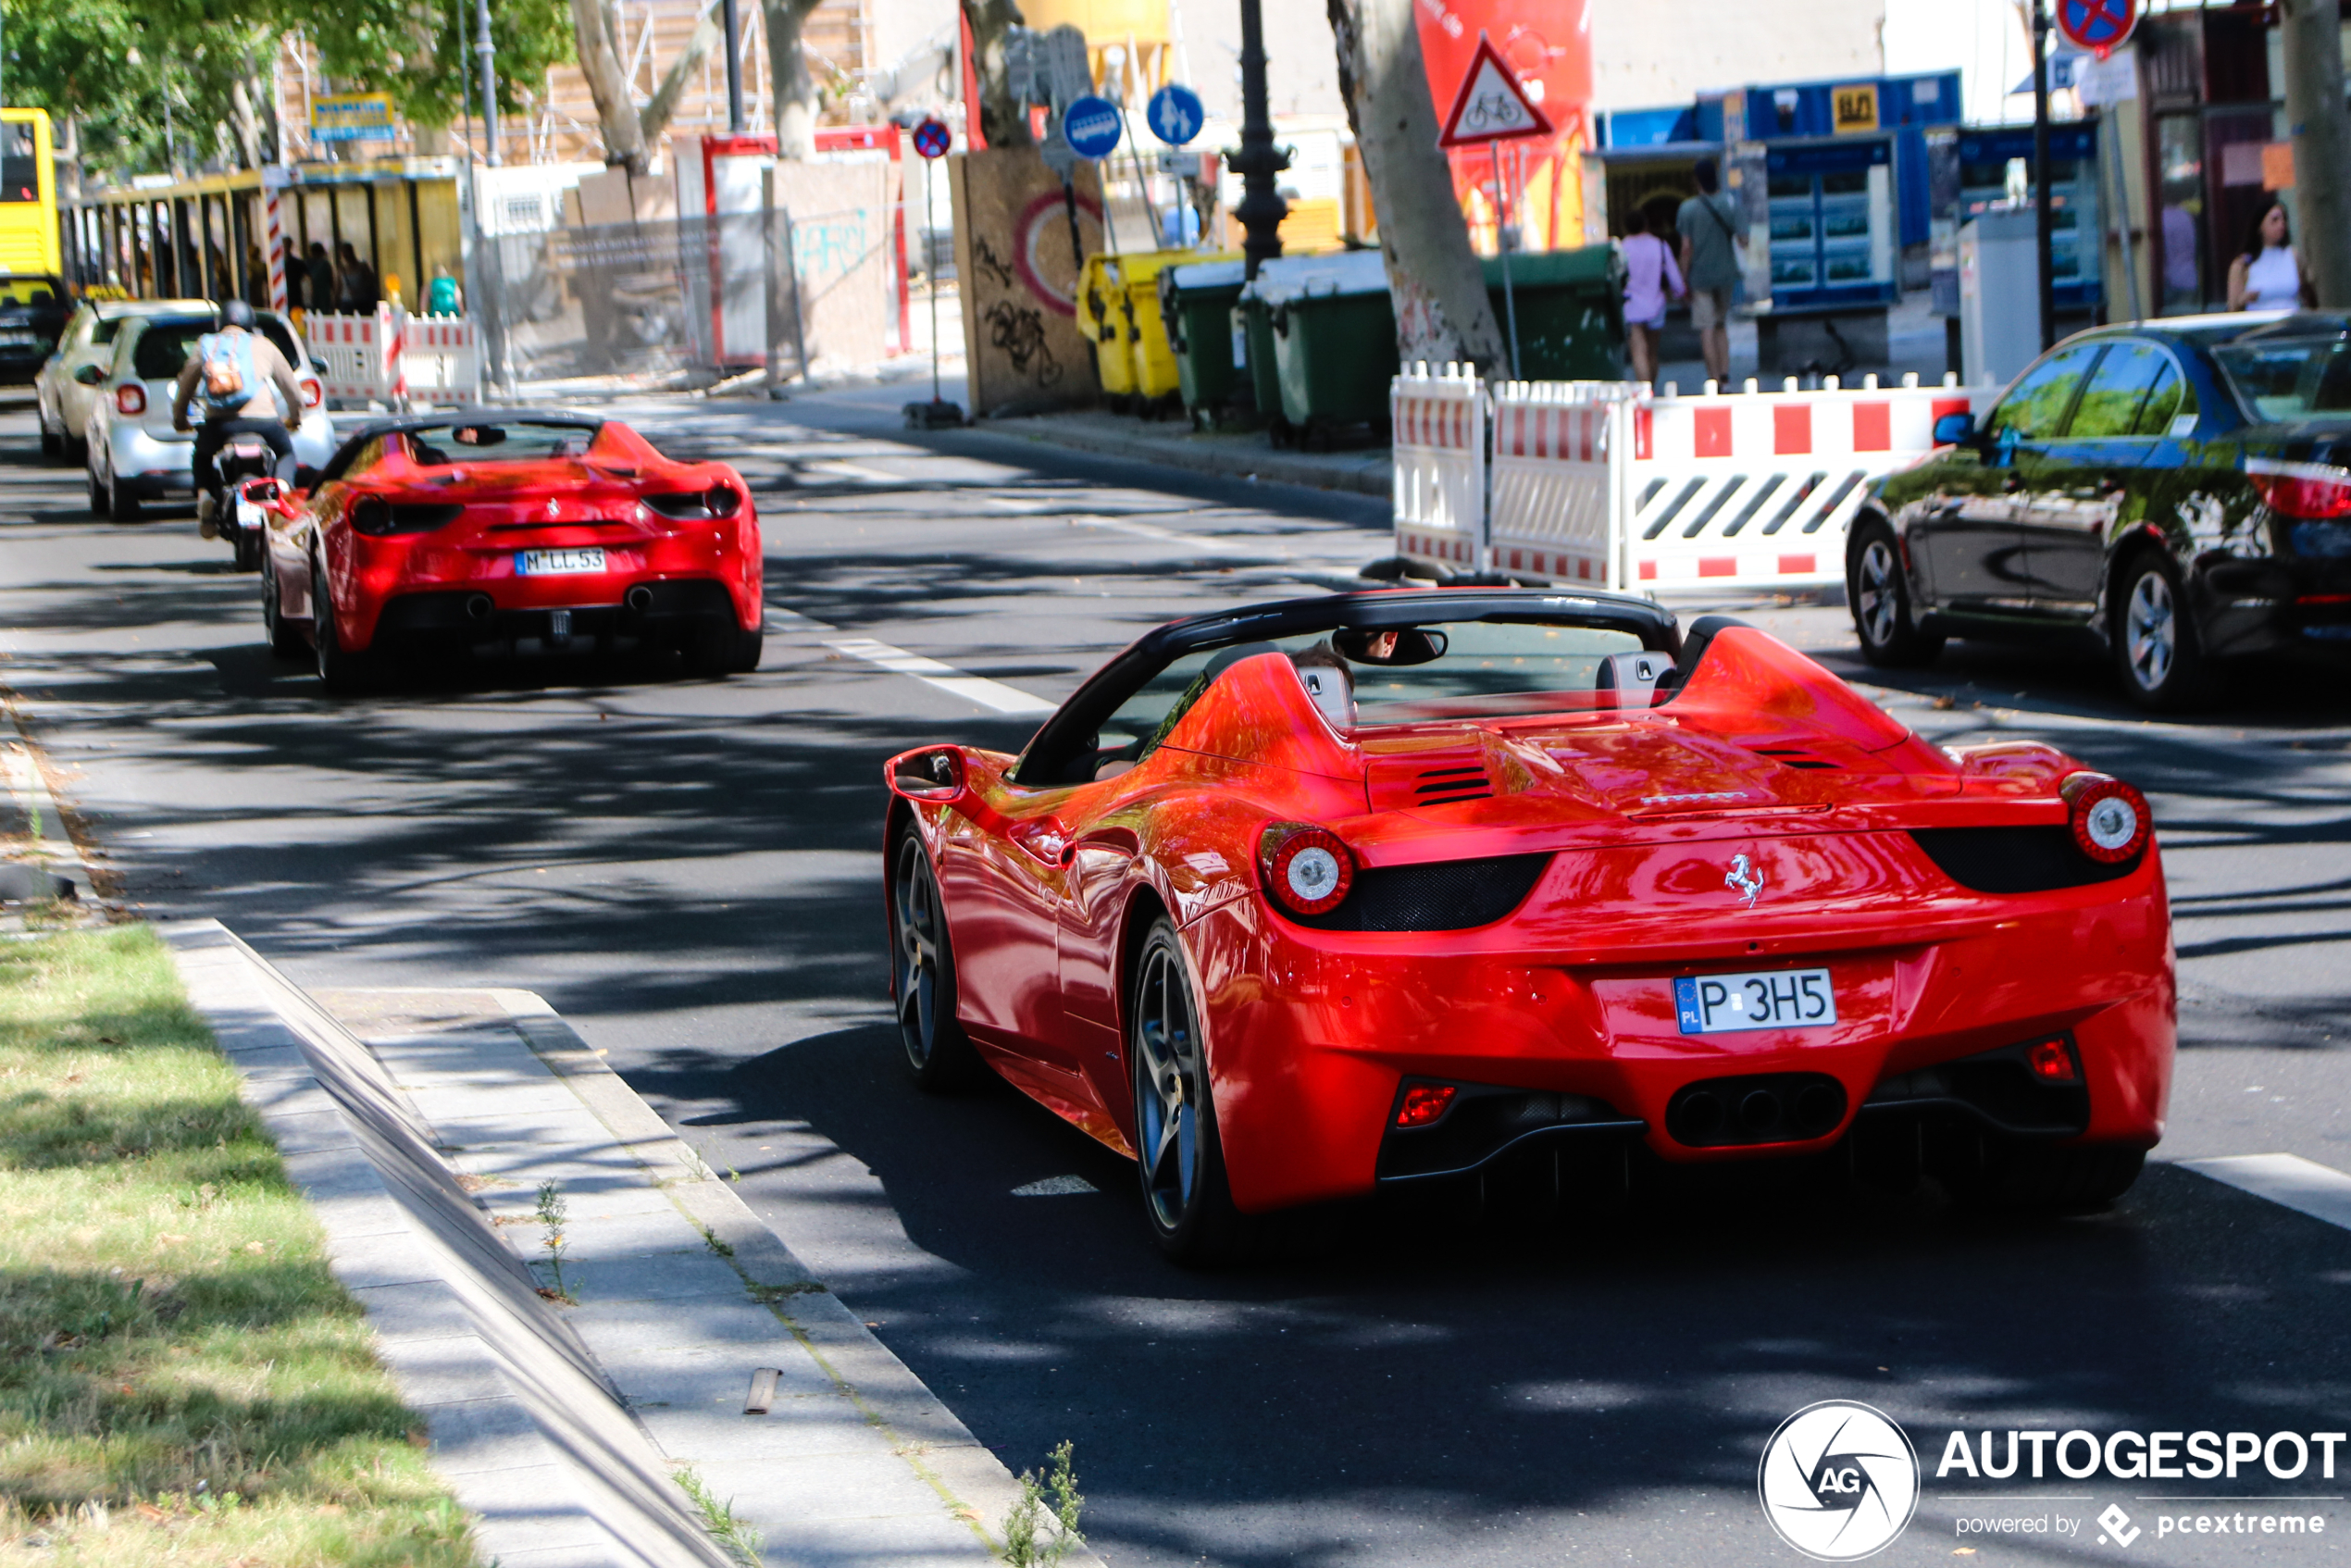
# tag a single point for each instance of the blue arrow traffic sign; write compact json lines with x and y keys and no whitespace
{"x":1091,"y":126}
{"x":1175,"y":115}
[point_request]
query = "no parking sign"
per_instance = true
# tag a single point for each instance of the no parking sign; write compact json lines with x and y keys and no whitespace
{"x":2099,"y":26}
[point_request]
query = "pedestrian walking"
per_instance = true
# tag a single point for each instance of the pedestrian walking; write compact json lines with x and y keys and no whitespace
{"x":1712,"y":239}
{"x":323,"y":295}
{"x":1650,"y":280}
{"x":2269,"y":275}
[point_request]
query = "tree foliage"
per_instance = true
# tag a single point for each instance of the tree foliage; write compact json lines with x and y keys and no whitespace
{"x":111,"y":66}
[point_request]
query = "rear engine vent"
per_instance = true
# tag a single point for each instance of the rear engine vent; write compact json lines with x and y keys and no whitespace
{"x":2016,"y":860}
{"x":1795,"y":756}
{"x":1442,"y":786}
{"x":1445,"y":895}
{"x":374,"y":517}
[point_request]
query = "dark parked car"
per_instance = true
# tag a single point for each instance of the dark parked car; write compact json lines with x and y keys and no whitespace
{"x":34,"y":308}
{"x":2182,"y":488}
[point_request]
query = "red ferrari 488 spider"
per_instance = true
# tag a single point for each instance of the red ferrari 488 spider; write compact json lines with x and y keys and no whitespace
{"x":1298,"y":902}
{"x":492,"y":529}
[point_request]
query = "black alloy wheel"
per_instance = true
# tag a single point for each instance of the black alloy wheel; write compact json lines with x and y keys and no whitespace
{"x":1881,"y":600}
{"x":1187,"y":1200}
{"x":921,"y":962}
{"x":2156,"y":651}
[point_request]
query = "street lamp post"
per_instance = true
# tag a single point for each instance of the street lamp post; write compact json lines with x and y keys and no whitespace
{"x":2044,"y":219}
{"x":1258,"y":160}
{"x":489,"y":52}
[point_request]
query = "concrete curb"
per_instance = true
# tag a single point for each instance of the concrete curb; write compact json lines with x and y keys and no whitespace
{"x":53,"y":840}
{"x":419,"y":1125}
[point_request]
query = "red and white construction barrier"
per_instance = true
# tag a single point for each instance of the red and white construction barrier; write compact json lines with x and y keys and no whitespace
{"x":1602,"y":483}
{"x":396,"y":359}
{"x":1439,"y":431}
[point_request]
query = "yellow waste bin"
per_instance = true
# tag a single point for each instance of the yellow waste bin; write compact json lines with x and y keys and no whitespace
{"x":1101,"y":316}
{"x":1158,"y":378}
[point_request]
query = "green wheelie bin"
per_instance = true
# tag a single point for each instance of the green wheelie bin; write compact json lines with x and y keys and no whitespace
{"x":1334,"y":330}
{"x":1196,"y":302}
{"x":1571,"y":312}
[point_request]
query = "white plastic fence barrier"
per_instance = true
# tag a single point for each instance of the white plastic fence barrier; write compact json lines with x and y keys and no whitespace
{"x":1437,"y":425}
{"x":396,"y":359}
{"x":1756,"y":490}
{"x":1600,"y":483}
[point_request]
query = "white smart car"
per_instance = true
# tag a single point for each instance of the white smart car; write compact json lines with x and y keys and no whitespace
{"x":63,"y":403}
{"x":134,"y":454}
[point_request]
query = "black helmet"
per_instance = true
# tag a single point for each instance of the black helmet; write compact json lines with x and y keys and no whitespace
{"x":237,"y":313}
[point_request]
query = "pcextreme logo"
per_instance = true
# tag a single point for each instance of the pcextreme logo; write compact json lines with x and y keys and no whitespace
{"x":1838,"y":1480}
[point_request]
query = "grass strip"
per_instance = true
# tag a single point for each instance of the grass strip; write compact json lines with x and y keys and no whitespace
{"x":180,"y":1375}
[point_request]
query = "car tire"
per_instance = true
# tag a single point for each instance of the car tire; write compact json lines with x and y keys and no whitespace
{"x":923,"y":975}
{"x":1880,"y":596}
{"x":286,"y":640}
{"x":2156,"y":653}
{"x":52,"y":444}
{"x":121,"y":506}
{"x":2034,"y":1178}
{"x":247,"y":545}
{"x":341,"y":672}
{"x":1188,"y":1202}
{"x":97,"y":497}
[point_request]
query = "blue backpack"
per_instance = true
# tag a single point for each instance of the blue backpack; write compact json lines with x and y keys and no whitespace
{"x":225,"y":374}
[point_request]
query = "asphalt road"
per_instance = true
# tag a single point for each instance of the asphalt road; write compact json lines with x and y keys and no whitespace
{"x":689,"y":871}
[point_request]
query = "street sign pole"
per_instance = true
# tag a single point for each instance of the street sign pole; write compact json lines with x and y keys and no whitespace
{"x":932,"y":140}
{"x":2044,"y":217}
{"x":1503,"y":247}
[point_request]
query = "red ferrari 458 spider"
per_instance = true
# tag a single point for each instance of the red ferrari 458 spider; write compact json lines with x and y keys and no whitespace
{"x":1298,"y":902}
{"x":490,"y":528}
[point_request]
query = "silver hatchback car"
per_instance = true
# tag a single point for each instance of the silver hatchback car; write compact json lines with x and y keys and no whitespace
{"x":62,"y":402}
{"x":134,"y":454}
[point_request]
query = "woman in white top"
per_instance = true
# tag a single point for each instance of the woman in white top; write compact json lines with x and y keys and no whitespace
{"x":1650,"y":276}
{"x":2269,"y":275}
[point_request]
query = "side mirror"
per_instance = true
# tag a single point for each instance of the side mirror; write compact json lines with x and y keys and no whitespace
{"x":935,"y":774}
{"x":91,"y":375}
{"x":1955,"y":430}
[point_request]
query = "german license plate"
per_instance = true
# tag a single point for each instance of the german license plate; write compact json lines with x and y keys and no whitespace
{"x":557,"y":563}
{"x":1778,"y":999}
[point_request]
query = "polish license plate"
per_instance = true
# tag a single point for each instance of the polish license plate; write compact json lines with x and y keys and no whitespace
{"x":1778,"y":999}
{"x":557,"y":563}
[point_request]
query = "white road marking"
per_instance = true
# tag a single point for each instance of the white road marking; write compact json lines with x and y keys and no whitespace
{"x":1056,"y":1186}
{"x":2288,"y":1180}
{"x":947,"y":678}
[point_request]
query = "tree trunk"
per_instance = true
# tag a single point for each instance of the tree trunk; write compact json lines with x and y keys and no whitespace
{"x":787,"y":69}
{"x":2321,"y":132}
{"x":655,"y":117}
{"x":1442,"y":312}
{"x":594,"y":32}
{"x":248,"y":124}
{"x":1001,"y":119}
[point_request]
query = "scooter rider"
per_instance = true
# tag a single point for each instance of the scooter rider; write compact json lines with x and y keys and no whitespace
{"x":240,"y":381}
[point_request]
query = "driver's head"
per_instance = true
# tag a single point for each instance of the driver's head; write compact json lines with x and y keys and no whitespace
{"x":237,"y":314}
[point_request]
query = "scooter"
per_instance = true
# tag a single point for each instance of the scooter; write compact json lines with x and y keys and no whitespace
{"x":242,"y":457}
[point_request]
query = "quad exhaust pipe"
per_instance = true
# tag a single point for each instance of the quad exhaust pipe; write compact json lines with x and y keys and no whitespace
{"x":638,"y":599}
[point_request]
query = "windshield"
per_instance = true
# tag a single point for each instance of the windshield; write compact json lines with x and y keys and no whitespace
{"x":1366,"y":678}
{"x":2290,"y":378}
{"x":507,"y":442}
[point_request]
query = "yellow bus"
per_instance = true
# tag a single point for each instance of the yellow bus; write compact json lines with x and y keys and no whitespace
{"x":28,"y":195}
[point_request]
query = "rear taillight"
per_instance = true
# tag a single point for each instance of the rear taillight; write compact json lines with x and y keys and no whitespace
{"x":312,"y":394}
{"x":2110,"y":819}
{"x":1306,"y":870}
{"x":2301,"y":490}
{"x":130,"y":398}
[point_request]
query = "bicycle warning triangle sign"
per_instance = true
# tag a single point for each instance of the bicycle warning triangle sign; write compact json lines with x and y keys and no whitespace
{"x":1491,"y":105}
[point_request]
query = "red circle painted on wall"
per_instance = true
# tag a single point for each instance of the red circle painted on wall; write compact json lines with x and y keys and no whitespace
{"x":1045,"y":221}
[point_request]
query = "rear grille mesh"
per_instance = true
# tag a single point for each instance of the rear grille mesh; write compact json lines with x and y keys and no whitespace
{"x":2016,"y":860}
{"x":1445,"y":895}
